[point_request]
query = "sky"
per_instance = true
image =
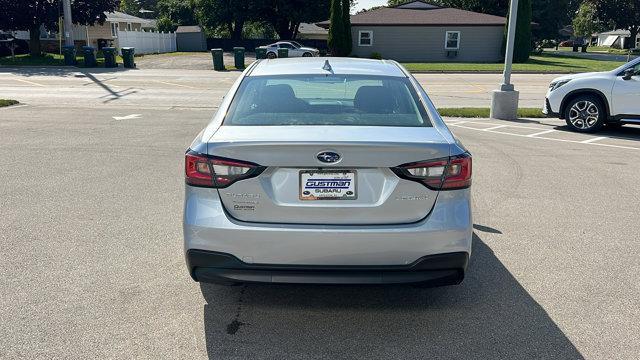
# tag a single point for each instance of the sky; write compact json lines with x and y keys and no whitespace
{"x":366,"y":4}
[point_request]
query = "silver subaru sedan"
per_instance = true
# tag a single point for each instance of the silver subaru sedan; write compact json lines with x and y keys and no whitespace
{"x":327,"y":171}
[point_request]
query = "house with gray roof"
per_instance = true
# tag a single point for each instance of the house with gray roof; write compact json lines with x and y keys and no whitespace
{"x":617,"y":39}
{"x":422,"y":32}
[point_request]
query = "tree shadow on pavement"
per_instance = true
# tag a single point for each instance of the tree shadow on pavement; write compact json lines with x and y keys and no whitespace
{"x":489,"y":316}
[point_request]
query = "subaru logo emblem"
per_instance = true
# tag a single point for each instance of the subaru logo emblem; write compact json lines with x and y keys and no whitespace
{"x":328,"y":157}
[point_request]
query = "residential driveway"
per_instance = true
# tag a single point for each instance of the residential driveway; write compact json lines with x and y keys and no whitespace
{"x":188,"y":61}
{"x":596,"y":55}
{"x":92,"y":259}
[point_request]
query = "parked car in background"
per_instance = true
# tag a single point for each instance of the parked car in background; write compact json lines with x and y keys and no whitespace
{"x":295,"y":49}
{"x":7,"y":41}
{"x":589,"y":101}
{"x":332,"y":171}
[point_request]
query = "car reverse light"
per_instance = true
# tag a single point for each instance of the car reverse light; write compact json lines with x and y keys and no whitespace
{"x":212,"y":171}
{"x":442,"y":174}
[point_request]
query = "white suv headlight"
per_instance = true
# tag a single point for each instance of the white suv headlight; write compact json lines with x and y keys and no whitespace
{"x":557,"y":84}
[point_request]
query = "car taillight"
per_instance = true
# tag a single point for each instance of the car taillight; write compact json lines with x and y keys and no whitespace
{"x":442,"y":174}
{"x":213,"y":171}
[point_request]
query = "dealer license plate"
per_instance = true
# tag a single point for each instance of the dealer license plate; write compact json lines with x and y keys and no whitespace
{"x":328,"y":185}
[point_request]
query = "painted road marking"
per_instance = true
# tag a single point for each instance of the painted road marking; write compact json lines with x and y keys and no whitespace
{"x":128,"y":117}
{"x":495,"y":127}
{"x":174,"y":84}
{"x":541,"y":133}
{"x":30,"y":82}
{"x":455,"y":122}
{"x":547,"y":138}
{"x":588,"y":141}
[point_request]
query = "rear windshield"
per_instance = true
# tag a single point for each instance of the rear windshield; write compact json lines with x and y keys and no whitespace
{"x":326,"y":100}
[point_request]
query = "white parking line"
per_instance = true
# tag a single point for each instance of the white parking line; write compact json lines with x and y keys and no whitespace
{"x":541,"y":133}
{"x":495,"y":127}
{"x":546,"y":138}
{"x":588,"y":141}
{"x":174,"y":84}
{"x":29,"y":82}
{"x":455,"y":122}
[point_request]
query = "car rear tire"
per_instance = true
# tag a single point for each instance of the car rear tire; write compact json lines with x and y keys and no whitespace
{"x":271,"y":55}
{"x":307,"y":54}
{"x":585,"y":113}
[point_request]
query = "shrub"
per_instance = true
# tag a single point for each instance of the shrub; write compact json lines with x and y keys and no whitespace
{"x":375,"y":55}
{"x":522,"y":46}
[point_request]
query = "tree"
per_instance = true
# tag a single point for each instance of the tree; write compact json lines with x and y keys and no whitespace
{"x":231,"y":15}
{"x":522,"y":44}
{"x":346,"y":23}
{"x":173,"y":13}
{"x":551,"y":16}
{"x":586,"y":21}
{"x":285,"y":16}
{"x":335,"y":41}
{"x":30,"y":15}
{"x":131,"y":7}
{"x":622,"y":14}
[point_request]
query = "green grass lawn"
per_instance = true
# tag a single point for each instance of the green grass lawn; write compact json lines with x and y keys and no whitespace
{"x":4,"y":102}
{"x":48,"y":59}
{"x":545,"y":63}
{"x":484,"y":112}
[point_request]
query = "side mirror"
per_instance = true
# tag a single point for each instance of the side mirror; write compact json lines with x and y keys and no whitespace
{"x":628,"y":74}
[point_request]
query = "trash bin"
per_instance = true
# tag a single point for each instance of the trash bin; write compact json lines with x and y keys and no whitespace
{"x":89,"y":54}
{"x":69,"y":52}
{"x":127,"y":57}
{"x":261,"y":53}
{"x":218,"y":59}
{"x":109,"y":57}
{"x":283,"y":53}
{"x":238,"y":57}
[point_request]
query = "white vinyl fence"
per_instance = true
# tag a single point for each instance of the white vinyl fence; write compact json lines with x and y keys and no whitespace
{"x":147,"y":42}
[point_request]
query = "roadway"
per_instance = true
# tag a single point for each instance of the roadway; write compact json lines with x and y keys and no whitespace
{"x":164,"y":88}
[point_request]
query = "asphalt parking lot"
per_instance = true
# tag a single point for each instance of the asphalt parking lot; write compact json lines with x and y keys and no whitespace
{"x":92,"y":263}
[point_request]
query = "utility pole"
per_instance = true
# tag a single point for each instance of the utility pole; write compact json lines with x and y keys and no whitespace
{"x":68,"y":23}
{"x":504,"y":102}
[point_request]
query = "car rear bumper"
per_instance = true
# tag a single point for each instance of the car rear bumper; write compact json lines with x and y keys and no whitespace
{"x":208,"y":227}
{"x":433,"y":270}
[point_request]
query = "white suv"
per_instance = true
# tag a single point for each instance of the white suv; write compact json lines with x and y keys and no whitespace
{"x":589,"y":101}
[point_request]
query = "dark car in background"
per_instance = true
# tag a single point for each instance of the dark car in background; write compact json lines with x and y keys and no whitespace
{"x":7,"y":41}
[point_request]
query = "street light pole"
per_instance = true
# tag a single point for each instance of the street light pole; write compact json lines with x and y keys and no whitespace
{"x":68,"y":23}
{"x":504,"y":102}
{"x":511,"y":37}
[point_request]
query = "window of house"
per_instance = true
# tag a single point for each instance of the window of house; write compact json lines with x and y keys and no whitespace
{"x":452,"y":40}
{"x":128,"y":26}
{"x":365,"y":38}
{"x":114,"y":29}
